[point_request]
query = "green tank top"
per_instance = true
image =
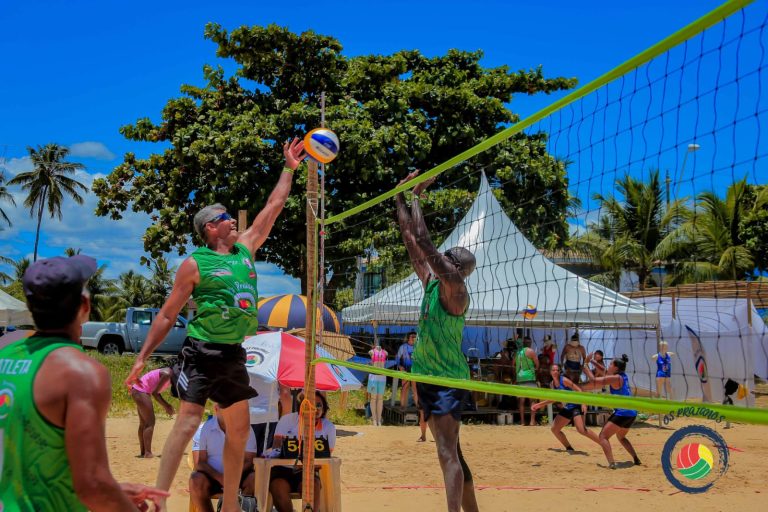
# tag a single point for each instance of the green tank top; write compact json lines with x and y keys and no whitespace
{"x":438,"y":343}
{"x":225,"y":297}
{"x":525,"y":368}
{"x":36,"y":476}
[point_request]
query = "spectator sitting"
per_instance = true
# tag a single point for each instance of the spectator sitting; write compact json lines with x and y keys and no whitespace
{"x":287,"y":479}
{"x":208,"y":454}
{"x":549,"y":349}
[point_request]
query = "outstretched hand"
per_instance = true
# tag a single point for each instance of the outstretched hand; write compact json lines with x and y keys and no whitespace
{"x":133,"y":377}
{"x":141,"y":494}
{"x":294,"y":153}
{"x":419,"y":188}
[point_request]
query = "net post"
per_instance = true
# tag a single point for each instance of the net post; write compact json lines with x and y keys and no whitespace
{"x":308,"y":407}
{"x":242,"y":220}
{"x":749,"y":304}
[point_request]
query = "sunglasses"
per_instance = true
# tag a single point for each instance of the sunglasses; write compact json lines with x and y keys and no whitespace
{"x":221,"y":216}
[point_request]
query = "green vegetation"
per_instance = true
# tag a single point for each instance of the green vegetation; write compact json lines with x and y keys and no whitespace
{"x":122,"y":403}
{"x":391,"y":112}
{"x":709,"y":238}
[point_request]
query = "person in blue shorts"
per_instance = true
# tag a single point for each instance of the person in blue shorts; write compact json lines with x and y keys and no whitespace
{"x":569,"y":413}
{"x":621,"y":419}
{"x":663,"y":360}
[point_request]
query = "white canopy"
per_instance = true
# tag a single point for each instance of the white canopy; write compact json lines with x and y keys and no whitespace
{"x":511,"y":275}
{"x":13,"y":311}
{"x":731,"y":347}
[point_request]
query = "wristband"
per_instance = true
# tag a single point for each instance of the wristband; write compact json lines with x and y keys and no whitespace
{"x":287,"y":169}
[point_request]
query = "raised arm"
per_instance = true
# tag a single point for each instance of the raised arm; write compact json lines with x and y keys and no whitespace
{"x":418,"y":259}
{"x":186,"y":279}
{"x":453,"y":292}
{"x":257,"y":233}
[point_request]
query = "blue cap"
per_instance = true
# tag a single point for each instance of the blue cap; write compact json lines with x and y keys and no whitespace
{"x":49,"y":281}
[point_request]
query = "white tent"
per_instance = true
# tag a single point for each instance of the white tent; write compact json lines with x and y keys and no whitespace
{"x":13,"y":311}
{"x":511,"y":274}
{"x":731,"y":348}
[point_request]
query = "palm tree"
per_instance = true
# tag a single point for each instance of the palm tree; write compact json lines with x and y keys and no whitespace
{"x":5,"y":196}
{"x":48,"y":182}
{"x":161,"y":281}
{"x":5,"y":278}
{"x":130,"y":290}
{"x":630,"y":229}
{"x":707,"y":245}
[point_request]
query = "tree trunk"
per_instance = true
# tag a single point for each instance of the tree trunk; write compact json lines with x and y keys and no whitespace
{"x":39,"y":221}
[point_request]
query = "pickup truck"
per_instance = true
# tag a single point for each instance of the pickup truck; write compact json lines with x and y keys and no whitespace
{"x":119,"y":337}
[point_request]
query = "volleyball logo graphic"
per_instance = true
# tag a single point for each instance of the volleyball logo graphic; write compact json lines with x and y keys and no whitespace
{"x":694,"y":458}
{"x":6,"y":402}
{"x":701,"y":370}
{"x":321,"y":144}
{"x":694,"y":461}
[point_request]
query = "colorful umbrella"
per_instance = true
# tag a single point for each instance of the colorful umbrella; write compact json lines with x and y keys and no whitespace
{"x":280,"y":356}
{"x":290,"y":312}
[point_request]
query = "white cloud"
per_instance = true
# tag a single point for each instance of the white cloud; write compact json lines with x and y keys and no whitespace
{"x":91,"y":149}
{"x":14,"y":166}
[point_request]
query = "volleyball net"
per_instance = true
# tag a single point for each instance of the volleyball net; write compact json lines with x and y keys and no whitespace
{"x":627,"y":213}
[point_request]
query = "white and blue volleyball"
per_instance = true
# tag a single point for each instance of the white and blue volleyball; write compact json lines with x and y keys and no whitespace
{"x":322,"y":145}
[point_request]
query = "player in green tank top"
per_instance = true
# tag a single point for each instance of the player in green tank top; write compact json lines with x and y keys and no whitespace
{"x":438,"y":345}
{"x":221,"y":278}
{"x":53,"y":404}
{"x":526,"y":364}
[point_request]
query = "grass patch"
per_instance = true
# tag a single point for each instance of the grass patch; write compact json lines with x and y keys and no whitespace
{"x":123,"y":405}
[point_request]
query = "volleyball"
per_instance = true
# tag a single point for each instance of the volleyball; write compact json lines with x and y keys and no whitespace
{"x":321,"y":144}
{"x":694,"y":461}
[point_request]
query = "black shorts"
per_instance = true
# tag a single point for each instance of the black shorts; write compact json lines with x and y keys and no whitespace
{"x":569,"y":414}
{"x":440,"y":401}
{"x":216,"y":486}
{"x":622,"y":421}
{"x":211,"y":370}
{"x":290,"y":475}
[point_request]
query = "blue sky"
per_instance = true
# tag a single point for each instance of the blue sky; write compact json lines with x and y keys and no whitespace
{"x":74,"y":72}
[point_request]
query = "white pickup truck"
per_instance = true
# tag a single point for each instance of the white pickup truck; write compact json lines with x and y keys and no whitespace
{"x":119,"y":337}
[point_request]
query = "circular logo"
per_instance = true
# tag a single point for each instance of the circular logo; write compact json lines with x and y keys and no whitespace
{"x":253,"y":357}
{"x":694,"y":461}
{"x":688,"y":458}
{"x":6,"y":402}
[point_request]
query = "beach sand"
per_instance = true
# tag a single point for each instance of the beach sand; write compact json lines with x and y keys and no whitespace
{"x":515,"y":469}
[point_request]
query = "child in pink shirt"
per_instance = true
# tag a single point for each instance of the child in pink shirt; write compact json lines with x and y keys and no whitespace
{"x":150,"y":385}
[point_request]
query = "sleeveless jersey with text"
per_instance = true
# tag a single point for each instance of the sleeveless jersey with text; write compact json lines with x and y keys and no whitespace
{"x":36,"y":476}
{"x":438,"y":342}
{"x":225,"y":297}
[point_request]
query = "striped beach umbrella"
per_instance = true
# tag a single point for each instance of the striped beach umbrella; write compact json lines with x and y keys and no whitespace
{"x":290,"y":312}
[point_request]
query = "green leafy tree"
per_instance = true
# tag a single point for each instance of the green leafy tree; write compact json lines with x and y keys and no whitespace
{"x":48,"y":183}
{"x":160,"y":282}
{"x":631,"y":228}
{"x":392,"y":112}
{"x":753,"y":228}
{"x":130,"y":290}
{"x":709,"y":244}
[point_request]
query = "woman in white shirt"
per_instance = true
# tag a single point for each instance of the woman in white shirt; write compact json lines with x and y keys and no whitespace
{"x":287,"y":479}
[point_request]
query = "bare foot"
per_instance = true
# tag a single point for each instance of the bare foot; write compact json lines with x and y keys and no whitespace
{"x":421,"y":439}
{"x":148,"y":455}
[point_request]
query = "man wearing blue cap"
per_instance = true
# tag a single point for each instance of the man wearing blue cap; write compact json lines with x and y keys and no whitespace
{"x":54,"y":402}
